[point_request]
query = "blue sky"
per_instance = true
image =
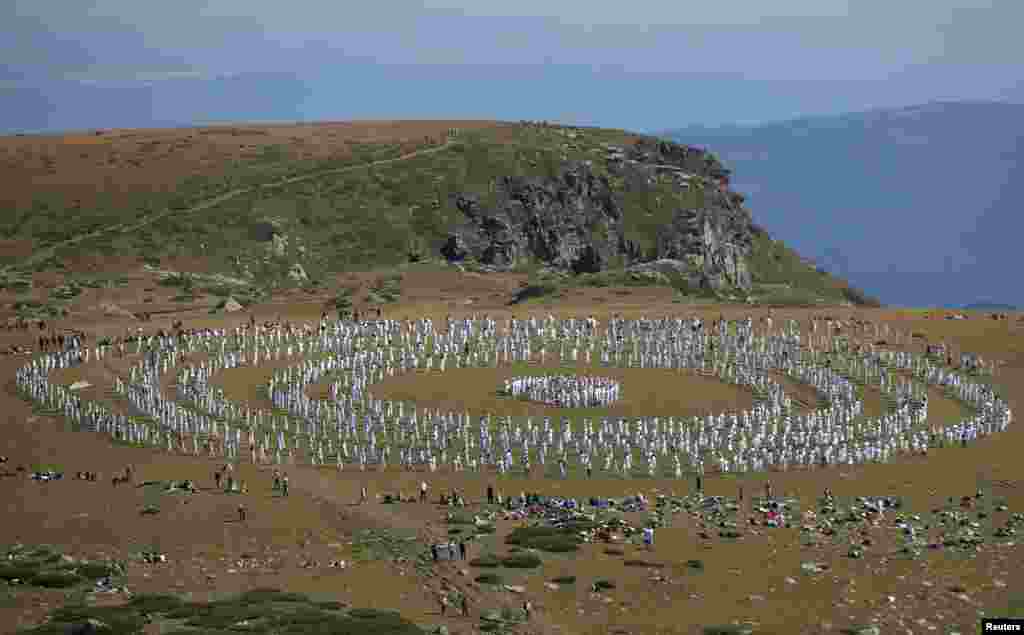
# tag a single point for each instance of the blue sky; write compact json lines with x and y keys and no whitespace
{"x":643,"y":65}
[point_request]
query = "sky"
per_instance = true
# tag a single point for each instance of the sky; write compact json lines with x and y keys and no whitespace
{"x":644,"y":65}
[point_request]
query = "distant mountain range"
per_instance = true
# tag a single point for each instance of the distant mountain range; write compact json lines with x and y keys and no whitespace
{"x":982,"y":306}
{"x":920,"y":206}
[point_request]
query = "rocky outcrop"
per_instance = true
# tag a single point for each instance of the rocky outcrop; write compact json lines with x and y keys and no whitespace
{"x":576,"y":222}
{"x":297,"y":273}
{"x":232,"y":305}
{"x":714,"y":240}
{"x":571,"y":222}
{"x":110,"y":309}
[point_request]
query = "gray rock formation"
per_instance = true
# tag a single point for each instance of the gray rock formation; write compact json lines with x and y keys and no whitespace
{"x":575,"y":222}
{"x":297,"y":273}
{"x":571,"y":222}
{"x":232,"y":305}
{"x":716,"y":241}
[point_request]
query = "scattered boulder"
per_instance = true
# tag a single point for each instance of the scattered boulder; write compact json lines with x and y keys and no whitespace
{"x":110,"y":309}
{"x":79,"y":385}
{"x":869,"y":629}
{"x":280,"y":245}
{"x":232,"y":305}
{"x":297,"y":273}
{"x":91,"y":626}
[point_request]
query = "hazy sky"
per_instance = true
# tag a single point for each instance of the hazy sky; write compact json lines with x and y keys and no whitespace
{"x":641,"y":64}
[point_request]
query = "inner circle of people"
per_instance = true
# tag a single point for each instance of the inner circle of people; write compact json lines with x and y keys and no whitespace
{"x":571,"y":391}
{"x":353,"y":430}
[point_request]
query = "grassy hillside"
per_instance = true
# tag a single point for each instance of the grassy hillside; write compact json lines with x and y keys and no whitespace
{"x":357,"y":216}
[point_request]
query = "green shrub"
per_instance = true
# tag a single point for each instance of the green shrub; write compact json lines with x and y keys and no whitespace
{"x":155,"y":603}
{"x":17,"y":572}
{"x":372,"y":614}
{"x":728,"y":629}
{"x":486,"y":560}
{"x":564,"y":579}
{"x":94,"y":570}
{"x":521,"y":561}
{"x":859,"y":298}
{"x":534,"y":291}
{"x":182,"y":280}
{"x":224,"y":615}
{"x":263,"y":595}
{"x":56,"y":580}
{"x":556,"y":544}
{"x":121,"y":620}
{"x":643,"y":563}
{"x":604,"y":585}
{"x":550,"y":539}
{"x":489,"y":578}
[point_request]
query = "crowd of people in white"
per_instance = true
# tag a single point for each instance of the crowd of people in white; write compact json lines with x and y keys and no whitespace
{"x":569,"y":391}
{"x":352,"y":427}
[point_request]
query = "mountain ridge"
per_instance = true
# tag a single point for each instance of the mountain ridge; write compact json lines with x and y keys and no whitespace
{"x":497,"y":189}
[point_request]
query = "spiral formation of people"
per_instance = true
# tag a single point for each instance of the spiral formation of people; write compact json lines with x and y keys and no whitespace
{"x":353,"y":429}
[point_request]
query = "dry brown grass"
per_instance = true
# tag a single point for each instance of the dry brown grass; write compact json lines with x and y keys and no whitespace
{"x":119,"y":165}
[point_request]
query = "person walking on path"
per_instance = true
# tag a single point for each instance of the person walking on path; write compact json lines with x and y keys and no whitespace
{"x":528,"y":609}
{"x":216,"y":478}
{"x":444,"y":605}
{"x":423,"y":491}
{"x":465,"y":606}
{"x":490,"y":494}
{"x":241,"y":512}
{"x":284,"y":484}
{"x":362,"y":496}
{"x":462,"y":550}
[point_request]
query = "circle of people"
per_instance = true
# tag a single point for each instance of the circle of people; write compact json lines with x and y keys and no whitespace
{"x":570,"y":391}
{"x":351,"y":426}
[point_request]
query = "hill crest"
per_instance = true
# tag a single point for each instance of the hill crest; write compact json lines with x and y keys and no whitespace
{"x":383,"y":194}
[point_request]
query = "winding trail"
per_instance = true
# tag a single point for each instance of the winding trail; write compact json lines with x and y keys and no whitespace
{"x":40,"y":255}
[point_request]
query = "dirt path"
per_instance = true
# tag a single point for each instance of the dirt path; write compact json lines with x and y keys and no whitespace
{"x":40,"y":255}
